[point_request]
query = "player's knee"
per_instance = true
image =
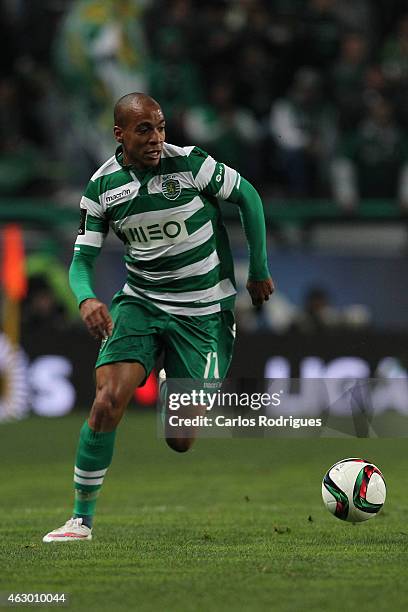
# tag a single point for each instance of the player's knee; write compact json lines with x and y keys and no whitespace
{"x":106,"y":411}
{"x":180,"y":445}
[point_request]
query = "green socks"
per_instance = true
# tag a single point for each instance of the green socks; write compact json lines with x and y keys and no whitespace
{"x":94,"y":456}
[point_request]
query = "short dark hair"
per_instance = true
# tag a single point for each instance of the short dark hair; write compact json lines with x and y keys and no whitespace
{"x":126,"y":102}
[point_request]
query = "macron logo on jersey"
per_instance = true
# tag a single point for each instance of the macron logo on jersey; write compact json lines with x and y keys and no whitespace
{"x":116,"y":196}
{"x":120,"y":194}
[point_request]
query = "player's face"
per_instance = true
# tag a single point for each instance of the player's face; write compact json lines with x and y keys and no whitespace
{"x":143,"y":136}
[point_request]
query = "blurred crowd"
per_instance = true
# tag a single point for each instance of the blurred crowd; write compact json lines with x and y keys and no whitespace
{"x":316,"y":315}
{"x":307,"y":98}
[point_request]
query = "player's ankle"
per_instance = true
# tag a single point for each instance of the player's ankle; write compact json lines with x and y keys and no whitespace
{"x":87,"y":519}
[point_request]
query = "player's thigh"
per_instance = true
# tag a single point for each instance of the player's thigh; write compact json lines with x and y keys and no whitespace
{"x":115,"y":384}
{"x":200,"y":347}
{"x":119,"y":380}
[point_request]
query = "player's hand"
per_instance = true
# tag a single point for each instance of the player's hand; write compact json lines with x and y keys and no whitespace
{"x":96,"y":317}
{"x":260,"y":290}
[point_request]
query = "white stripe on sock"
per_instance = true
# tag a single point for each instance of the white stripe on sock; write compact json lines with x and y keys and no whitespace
{"x":88,"y":481}
{"x":94,"y":474}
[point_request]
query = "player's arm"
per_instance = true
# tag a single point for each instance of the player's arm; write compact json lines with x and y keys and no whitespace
{"x":217,"y":179}
{"x":92,"y":231}
{"x":260,"y":284}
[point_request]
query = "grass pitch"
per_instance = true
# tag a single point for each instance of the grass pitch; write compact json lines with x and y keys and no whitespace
{"x":232,"y":525}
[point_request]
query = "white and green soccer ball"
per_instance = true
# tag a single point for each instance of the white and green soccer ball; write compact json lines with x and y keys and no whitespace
{"x":354,"y":490}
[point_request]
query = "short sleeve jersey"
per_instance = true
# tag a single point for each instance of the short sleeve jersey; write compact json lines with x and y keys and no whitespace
{"x":177,"y":252}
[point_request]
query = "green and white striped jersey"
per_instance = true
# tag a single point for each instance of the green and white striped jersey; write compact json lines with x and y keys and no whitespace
{"x":177,"y":252}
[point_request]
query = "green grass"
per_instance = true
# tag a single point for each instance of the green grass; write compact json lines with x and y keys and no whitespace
{"x":223,"y":527}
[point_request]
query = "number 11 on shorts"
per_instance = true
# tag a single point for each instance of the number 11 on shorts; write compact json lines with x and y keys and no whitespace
{"x":211,"y":367}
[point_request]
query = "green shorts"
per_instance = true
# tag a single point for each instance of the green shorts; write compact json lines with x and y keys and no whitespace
{"x":194,"y":347}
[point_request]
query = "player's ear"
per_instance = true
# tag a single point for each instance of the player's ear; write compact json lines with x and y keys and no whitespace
{"x":118,"y":133}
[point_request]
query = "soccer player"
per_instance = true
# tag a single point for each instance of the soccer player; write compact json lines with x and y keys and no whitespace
{"x":162,"y":202}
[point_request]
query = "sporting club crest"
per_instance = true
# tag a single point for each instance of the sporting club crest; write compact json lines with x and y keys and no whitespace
{"x":171,"y":188}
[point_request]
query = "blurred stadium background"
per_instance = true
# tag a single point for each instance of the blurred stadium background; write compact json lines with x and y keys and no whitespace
{"x":307,"y":98}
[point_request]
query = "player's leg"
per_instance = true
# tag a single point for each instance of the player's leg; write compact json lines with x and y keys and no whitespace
{"x":179,"y":438}
{"x":197,"y":348}
{"x":115,"y":384}
{"x":124,"y":361}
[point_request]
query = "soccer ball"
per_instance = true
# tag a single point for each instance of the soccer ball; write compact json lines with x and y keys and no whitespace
{"x":353,"y":490}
